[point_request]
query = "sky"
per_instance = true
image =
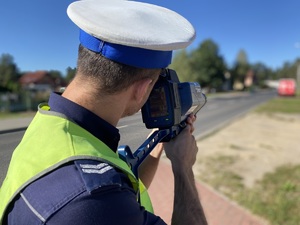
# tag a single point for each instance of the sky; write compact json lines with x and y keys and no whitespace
{"x":40,"y":36}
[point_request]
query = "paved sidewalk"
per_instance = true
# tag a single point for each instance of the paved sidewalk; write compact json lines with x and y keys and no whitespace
{"x":14,"y":124}
{"x":218,"y":209}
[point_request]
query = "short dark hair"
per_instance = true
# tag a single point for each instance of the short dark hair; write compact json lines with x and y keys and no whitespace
{"x":110,"y":76}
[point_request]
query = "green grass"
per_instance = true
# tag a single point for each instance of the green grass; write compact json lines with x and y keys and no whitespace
{"x":220,"y":177}
{"x":281,"y":105}
{"x":6,"y":115}
{"x":276,"y":197}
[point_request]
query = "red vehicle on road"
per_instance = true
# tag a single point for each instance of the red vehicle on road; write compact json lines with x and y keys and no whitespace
{"x":287,"y":87}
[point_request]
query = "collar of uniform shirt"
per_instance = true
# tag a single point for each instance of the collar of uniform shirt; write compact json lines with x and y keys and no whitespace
{"x":86,"y":119}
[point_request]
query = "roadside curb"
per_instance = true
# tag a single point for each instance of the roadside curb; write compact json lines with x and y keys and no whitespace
{"x":15,"y":124}
{"x":227,"y":205}
{"x":13,"y":130}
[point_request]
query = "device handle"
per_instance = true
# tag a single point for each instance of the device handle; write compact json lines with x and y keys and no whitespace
{"x":134,"y":160}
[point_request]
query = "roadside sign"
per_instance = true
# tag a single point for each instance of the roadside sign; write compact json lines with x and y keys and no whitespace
{"x":287,"y":87}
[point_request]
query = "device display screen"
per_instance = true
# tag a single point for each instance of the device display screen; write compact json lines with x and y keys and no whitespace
{"x":158,"y":102}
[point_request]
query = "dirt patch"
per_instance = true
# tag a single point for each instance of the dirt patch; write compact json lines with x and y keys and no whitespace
{"x":251,"y":146}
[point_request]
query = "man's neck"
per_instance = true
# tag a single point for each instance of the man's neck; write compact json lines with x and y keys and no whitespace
{"x":108,"y":107}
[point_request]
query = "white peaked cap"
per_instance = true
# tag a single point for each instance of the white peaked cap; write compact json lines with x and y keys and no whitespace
{"x":134,"y":33}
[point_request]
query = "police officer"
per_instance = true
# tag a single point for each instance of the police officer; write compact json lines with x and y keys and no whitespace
{"x":66,"y":169}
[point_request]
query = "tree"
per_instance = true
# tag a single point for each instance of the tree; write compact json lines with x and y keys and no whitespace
{"x":55,"y":74}
{"x":9,"y":73}
{"x":207,"y":65}
{"x":262,"y":73}
{"x":57,"y":77}
{"x":288,"y":70}
{"x":181,"y":65}
{"x":241,"y":66}
{"x":70,"y":74}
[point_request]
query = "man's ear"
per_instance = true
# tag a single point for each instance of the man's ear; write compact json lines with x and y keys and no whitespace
{"x":142,"y":88}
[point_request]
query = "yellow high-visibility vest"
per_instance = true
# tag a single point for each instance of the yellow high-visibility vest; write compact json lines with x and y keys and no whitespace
{"x":51,"y":141}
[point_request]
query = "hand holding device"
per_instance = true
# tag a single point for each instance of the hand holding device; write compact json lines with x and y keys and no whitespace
{"x":168,"y":108}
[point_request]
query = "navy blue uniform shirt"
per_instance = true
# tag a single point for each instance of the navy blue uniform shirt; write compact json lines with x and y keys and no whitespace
{"x":82,"y":192}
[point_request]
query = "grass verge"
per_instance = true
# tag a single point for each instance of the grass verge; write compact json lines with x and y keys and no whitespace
{"x":281,"y":105}
{"x":4,"y":115}
{"x":276,"y":197}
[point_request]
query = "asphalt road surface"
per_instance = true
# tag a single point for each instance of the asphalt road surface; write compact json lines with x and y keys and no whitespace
{"x":216,"y":113}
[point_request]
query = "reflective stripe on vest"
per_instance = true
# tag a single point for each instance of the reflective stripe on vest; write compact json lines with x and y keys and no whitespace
{"x":51,"y":141}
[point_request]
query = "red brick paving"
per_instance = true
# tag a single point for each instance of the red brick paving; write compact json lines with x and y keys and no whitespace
{"x":218,"y":209}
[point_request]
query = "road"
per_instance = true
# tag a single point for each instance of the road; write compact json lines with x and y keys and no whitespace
{"x":216,"y":113}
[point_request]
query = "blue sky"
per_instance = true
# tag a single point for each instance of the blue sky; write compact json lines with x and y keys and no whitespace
{"x":40,"y":36}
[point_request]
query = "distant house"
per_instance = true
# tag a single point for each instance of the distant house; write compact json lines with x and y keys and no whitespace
{"x":35,"y":88}
{"x":39,"y":81}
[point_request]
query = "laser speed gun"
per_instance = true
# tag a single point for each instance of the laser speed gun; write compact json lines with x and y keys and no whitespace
{"x":167,"y":108}
{"x":170,"y":101}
